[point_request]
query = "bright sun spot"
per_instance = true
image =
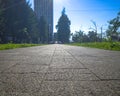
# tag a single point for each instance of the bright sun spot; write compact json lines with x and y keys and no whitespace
{"x":61,"y":2}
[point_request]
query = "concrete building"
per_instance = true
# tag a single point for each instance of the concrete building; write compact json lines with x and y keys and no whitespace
{"x":45,"y":8}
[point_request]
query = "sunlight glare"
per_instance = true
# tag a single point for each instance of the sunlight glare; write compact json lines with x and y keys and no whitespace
{"x":61,"y":1}
{"x":58,"y":1}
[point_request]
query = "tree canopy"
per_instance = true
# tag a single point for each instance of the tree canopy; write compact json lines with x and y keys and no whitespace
{"x":44,"y":34}
{"x":63,"y":28}
{"x":81,"y":37}
{"x":113,"y":30}
{"x":18,"y":23}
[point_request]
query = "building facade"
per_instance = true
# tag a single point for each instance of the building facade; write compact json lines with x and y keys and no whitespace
{"x":45,"y":8}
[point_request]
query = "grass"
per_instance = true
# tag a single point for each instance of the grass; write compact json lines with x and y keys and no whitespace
{"x":101,"y":45}
{"x":12,"y":46}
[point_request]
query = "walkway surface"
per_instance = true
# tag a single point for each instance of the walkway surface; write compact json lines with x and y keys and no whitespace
{"x":59,"y":70}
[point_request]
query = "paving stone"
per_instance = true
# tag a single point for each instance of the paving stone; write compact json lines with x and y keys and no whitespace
{"x":51,"y":88}
{"x":13,"y":94}
{"x":69,"y":77}
{"x":93,"y":88}
{"x":6,"y":64}
{"x":64,"y":63}
{"x":20,"y":82}
{"x":69,"y":70}
{"x":114,"y":85}
{"x":27,"y":68}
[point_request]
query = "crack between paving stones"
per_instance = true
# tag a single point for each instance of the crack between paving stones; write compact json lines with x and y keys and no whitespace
{"x":9,"y":68}
{"x":46,"y":71}
{"x":95,"y":74}
{"x":82,"y":64}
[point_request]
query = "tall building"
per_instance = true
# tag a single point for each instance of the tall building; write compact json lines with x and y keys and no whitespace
{"x":45,"y":8}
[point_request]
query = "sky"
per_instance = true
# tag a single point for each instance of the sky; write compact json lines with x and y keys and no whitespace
{"x":81,"y":13}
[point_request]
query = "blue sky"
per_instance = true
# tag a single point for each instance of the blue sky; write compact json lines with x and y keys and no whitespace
{"x":81,"y":12}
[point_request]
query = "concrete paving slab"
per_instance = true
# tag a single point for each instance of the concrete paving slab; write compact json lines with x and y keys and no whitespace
{"x":6,"y":64}
{"x":20,"y":82}
{"x":69,"y":70}
{"x":114,"y":85}
{"x":14,"y":94}
{"x":69,"y":77}
{"x":58,"y":88}
{"x":93,"y":88}
{"x":27,"y":68}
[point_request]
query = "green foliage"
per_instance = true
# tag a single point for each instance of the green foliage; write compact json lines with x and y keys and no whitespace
{"x":113,"y":30}
{"x":78,"y":36}
{"x":63,"y":28}
{"x":2,"y":20}
{"x":44,"y":34}
{"x":101,"y":45}
{"x":19,"y":23}
{"x":55,"y":37}
{"x":81,"y":37}
{"x":92,"y":36}
{"x":12,"y":46}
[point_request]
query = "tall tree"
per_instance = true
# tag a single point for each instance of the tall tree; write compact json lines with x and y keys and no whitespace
{"x":19,"y":23}
{"x":44,"y":35}
{"x":63,"y":28}
{"x":2,"y":22}
{"x":31,"y":26}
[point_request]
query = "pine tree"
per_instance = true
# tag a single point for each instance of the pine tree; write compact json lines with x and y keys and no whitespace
{"x":63,"y":28}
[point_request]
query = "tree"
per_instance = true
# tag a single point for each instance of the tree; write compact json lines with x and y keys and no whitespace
{"x":113,"y":28}
{"x":63,"y":28}
{"x":32,"y":26}
{"x":55,"y":37}
{"x":44,"y":35}
{"x":92,"y":36}
{"x":85,"y":38}
{"x":94,"y":29}
{"x":18,"y":22}
{"x":78,"y":36}
{"x":2,"y":21}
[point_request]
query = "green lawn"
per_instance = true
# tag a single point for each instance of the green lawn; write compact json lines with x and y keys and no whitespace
{"x":12,"y":46}
{"x":102,"y":45}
